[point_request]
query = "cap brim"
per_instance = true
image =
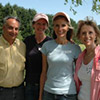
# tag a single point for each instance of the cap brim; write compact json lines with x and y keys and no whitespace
{"x":62,"y":14}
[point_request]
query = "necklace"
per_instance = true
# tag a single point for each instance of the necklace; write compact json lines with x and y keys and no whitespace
{"x":89,"y":54}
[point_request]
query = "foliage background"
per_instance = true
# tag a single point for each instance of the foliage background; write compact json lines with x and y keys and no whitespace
{"x":26,"y":16}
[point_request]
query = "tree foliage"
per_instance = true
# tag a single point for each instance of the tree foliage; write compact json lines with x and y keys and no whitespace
{"x":26,"y":16}
{"x":76,"y":3}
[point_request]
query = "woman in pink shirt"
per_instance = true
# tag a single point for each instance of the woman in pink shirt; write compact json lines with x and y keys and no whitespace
{"x":87,"y":71}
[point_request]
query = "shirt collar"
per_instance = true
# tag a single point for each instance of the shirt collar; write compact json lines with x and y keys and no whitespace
{"x":6,"y":42}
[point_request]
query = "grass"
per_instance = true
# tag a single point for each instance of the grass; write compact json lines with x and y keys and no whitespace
{"x":82,"y":46}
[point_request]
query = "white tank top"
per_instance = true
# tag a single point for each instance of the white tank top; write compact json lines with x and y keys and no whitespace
{"x":84,"y":75}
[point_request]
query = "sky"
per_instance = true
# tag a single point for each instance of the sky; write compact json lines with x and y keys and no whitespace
{"x":54,"y":6}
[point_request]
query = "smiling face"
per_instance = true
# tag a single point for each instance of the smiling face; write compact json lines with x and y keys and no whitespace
{"x":61,"y":27}
{"x":40,"y":26}
{"x":10,"y":30}
{"x":87,"y":35}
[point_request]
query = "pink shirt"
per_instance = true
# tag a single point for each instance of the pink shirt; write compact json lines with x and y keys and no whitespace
{"x":95,"y":74}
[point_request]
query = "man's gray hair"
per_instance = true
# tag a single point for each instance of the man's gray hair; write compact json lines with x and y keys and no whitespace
{"x":11,"y":17}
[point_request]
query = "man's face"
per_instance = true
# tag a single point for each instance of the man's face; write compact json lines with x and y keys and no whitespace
{"x":10,"y":30}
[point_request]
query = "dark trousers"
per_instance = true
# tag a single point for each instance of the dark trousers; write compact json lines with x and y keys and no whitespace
{"x":31,"y":91}
{"x":50,"y":96}
{"x":14,"y":93}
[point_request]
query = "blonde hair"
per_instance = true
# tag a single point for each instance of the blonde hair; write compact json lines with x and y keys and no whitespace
{"x":91,"y":23}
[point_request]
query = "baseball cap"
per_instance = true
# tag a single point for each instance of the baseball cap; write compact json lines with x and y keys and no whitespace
{"x":62,"y":14}
{"x":40,"y":16}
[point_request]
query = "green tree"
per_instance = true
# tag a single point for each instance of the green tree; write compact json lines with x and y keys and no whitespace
{"x":7,"y":10}
{"x":14,"y":13}
{"x":76,"y":3}
{"x":26,"y":16}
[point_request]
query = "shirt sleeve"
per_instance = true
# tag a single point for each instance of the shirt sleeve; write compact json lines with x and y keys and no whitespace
{"x":44,"y":49}
{"x":77,"y":51}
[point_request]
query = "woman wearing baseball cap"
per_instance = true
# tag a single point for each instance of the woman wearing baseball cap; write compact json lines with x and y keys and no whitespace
{"x":59,"y":54}
{"x":33,"y":55}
